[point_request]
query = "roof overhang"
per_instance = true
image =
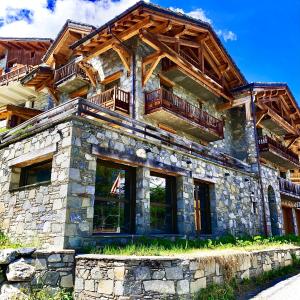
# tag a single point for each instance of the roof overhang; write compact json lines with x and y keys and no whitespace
{"x":165,"y":25}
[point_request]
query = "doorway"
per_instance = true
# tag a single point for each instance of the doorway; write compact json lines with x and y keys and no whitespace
{"x":273,"y":211}
{"x":288,"y":223}
{"x":202,"y":208}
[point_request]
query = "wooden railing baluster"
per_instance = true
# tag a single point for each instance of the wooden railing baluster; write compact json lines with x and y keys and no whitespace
{"x":164,"y":98}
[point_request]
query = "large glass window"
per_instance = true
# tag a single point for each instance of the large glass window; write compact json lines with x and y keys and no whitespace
{"x":114,"y":198}
{"x":162,"y":203}
{"x":36,"y":173}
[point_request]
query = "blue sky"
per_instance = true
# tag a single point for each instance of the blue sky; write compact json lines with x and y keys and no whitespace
{"x":263,"y":37}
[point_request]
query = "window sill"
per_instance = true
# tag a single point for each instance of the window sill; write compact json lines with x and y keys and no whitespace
{"x":25,"y":187}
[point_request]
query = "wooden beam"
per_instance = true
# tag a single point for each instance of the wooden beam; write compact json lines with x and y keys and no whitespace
{"x":146,"y":74}
{"x":124,"y":55}
{"x":88,"y":69}
{"x":53,"y":94}
{"x":182,"y":42}
{"x":234,"y":103}
{"x":112,"y":77}
{"x":125,"y":35}
{"x":163,"y":28}
{"x":260,"y":115}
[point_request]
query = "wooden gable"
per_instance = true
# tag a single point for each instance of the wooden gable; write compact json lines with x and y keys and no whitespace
{"x":191,"y":45}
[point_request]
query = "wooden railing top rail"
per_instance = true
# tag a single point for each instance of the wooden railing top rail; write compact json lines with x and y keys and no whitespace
{"x":289,"y":187}
{"x":265,"y":142}
{"x":164,"y":98}
{"x":15,"y":74}
{"x":82,"y":107}
{"x":67,"y":71}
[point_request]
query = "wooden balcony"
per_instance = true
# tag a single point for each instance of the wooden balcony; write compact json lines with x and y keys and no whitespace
{"x":15,"y":74}
{"x":277,"y":153}
{"x":289,"y":189}
{"x":70,"y":77}
{"x":113,"y":99}
{"x":171,"y":110}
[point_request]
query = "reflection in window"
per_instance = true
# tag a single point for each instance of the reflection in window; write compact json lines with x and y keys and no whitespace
{"x":36,"y":173}
{"x":113,"y":209}
{"x":162,"y":204}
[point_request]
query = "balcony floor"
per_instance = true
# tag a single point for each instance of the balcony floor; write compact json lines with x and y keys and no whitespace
{"x":71,"y":84}
{"x":178,"y":76}
{"x":180,"y":123}
{"x":274,"y":157}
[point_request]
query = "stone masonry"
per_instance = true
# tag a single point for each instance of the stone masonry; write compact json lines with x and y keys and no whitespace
{"x":179,"y":277}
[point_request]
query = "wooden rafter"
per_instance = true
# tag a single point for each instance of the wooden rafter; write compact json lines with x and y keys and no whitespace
{"x":123,"y":36}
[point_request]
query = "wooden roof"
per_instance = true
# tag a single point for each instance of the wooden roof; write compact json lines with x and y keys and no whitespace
{"x":24,"y":112}
{"x":59,"y":51}
{"x":164,"y":30}
{"x":31,"y":44}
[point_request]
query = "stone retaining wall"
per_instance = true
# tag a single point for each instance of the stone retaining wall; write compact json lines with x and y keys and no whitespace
{"x":119,"y":277}
{"x":27,"y":268}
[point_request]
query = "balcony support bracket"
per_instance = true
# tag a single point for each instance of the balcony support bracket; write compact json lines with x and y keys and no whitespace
{"x":152,"y":61}
{"x":124,"y":55}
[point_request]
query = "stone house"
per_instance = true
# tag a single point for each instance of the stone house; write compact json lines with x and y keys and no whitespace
{"x":153,"y":131}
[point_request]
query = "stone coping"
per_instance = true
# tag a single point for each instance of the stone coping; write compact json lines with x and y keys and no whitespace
{"x":192,"y":255}
{"x":49,"y":251}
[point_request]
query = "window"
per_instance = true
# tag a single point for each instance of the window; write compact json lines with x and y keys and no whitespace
{"x":36,"y":173}
{"x":114,"y":210}
{"x":162,"y":203}
{"x":112,"y":84}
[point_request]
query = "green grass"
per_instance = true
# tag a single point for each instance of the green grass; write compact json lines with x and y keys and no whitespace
{"x":6,"y":243}
{"x":47,"y":294}
{"x":147,"y":246}
{"x":232,"y":290}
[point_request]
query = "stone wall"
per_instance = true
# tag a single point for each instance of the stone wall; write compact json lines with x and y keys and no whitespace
{"x":60,"y":213}
{"x":231,"y":190}
{"x":117,"y":277}
{"x":28,"y":268}
{"x":36,"y":214}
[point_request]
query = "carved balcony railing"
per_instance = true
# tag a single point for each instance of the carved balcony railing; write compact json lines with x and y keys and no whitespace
{"x":68,"y":71}
{"x":288,"y":187}
{"x":162,"y":98}
{"x":268,"y":145}
{"x":114,"y":99}
{"x":15,"y":74}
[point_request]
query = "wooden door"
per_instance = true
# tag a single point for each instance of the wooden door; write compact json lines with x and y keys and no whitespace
{"x":288,"y":223}
{"x":202,"y":208}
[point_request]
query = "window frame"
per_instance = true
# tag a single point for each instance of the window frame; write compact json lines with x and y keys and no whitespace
{"x":24,"y":174}
{"x":131,"y":201}
{"x":173,"y":201}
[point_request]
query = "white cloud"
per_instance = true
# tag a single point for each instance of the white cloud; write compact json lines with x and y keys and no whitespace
{"x":227,"y":35}
{"x":200,"y":14}
{"x":43,"y":22}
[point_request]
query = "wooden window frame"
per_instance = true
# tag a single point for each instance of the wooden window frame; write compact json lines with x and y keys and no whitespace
{"x":131,"y":201}
{"x":173,"y":199}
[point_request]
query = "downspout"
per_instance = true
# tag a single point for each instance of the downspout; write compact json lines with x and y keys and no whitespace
{"x":253,"y":109}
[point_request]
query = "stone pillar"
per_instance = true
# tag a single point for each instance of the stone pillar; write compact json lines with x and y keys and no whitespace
{"x":142,"y":200}
{"x":185,"y":205}
{"x":296,"y":229}
{"x":251,"y":144}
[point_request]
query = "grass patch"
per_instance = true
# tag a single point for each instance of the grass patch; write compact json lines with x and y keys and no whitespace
{"x":232,"y":290}
{"x":3,"y":130}
{"x":6,"y":243}
{"x":48,"y":294}
{"x":147,"y":246}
